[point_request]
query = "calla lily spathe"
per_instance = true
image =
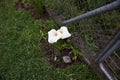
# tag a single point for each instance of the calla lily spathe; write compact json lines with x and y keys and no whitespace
{"x":64,"y":32}
{"x":53,"y":36}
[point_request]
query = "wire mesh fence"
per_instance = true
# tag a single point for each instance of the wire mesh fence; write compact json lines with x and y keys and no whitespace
{"x":95,"y":31}
{"x":112,"y":64}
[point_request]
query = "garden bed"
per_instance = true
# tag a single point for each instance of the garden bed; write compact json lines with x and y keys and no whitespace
{"x":53,"y":55}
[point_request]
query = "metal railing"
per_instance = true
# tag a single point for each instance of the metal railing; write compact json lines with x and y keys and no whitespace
{"x":113,"y":45}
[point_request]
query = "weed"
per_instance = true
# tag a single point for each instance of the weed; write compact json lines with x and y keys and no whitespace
{"x":67,"y":44}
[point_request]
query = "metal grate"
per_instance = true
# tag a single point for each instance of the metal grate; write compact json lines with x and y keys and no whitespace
{"x":95,"y":31}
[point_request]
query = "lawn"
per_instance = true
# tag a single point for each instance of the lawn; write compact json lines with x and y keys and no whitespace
{"x":21,"y":55}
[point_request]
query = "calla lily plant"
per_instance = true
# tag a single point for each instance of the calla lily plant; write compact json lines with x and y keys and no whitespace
{"x":55,"y":35}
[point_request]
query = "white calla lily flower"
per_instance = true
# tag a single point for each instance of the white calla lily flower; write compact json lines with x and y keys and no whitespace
{"x":64,"y":32}
{"x":53,"y":36}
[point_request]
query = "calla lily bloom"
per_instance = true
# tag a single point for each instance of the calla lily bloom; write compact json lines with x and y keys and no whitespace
{"x":64,"y":32}
{"x":53,"y":36}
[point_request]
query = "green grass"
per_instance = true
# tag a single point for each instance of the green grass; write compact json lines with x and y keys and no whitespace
{"x":39,"y":5}
{"x":21,"y":57}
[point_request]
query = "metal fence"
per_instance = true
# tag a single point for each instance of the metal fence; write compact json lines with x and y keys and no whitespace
{"x":94,"y":32}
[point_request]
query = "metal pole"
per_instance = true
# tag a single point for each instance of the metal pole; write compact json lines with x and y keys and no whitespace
{"x":107,"y":7}
{"x":112,"y":45}
{"x":109,"y":52}
{"x":102,"y":67}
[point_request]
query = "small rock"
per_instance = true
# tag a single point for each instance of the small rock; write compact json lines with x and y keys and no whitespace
{"x":55,"y":58}
{"x":67,"y":59}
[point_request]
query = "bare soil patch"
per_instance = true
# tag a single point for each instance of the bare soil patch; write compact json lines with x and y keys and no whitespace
{"x":55,"y":57}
